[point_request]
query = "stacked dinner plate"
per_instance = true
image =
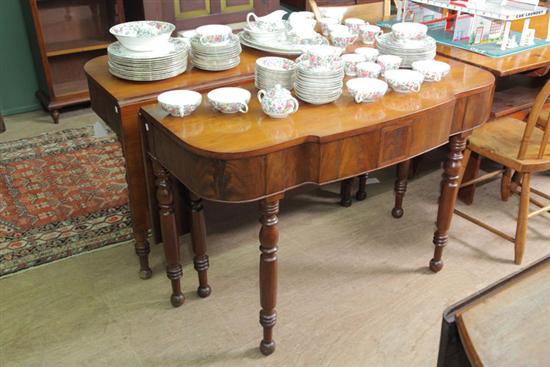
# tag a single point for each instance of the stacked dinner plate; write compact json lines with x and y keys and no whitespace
{"x":319,"y":82}
{"x":271,"y":71}
{"x":167,"y":61}
{"x":409,"y":50}
{"x":216,"y":57}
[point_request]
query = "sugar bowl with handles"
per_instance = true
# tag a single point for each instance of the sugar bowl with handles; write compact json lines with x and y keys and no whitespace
{"x":277,"y":102}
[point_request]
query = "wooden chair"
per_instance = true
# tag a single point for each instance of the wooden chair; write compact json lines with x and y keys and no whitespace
{"x":520,"y":147}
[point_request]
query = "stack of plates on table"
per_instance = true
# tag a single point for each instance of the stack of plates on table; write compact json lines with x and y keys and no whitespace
{"x":216,"y":57}
{"x":167,"y":61}
{"x":267,"y":37}
{"x":319,"y":85}
{"x":409,"y":50}
{"x":271,"y":71}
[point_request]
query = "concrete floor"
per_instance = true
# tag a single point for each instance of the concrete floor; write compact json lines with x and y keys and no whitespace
{"x":354,"y":289}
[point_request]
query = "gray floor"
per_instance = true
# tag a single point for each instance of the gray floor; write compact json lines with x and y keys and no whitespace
{"x":354,"y":289}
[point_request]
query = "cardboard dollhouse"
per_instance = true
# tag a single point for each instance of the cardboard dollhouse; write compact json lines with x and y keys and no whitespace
{"x":475,"y":22}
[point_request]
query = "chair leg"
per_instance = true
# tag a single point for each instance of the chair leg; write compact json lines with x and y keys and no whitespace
{"x":466,"y":194}
{"x":521,"y":229}
{"x":505,"y":184}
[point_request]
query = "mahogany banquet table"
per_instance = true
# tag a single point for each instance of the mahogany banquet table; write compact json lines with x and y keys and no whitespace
{"x":250,"y":157}
{"x":118,"y":101}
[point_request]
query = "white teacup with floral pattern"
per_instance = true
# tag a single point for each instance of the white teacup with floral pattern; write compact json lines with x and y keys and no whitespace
{"x":350,"y":63}
{"x":337,"y":28}
{"x":389,"y":62}
{"x":277,"y":102}
{"x":404,"y":81}
{"x":366,"y":89}
{"x":322,"y":57}
{"x":371,"y":54}
{"x":325,"y":22}
{"x":229,"y":99}
{"x":432,"y":70}
{"x":354,"y":24}
{"x":180,"y":103}
{"x":369,"y":32}
{"x":342,"y":39}
{"x":368,"y":70}
{"x":214,"y":34}
{"x":406,"y":31}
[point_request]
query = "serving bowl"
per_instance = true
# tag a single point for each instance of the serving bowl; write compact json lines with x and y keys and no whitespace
{"x":366,"y":89}
{"x":404,"y":81}
{"x":409,"y":31}
{"x":143,"y":35}
{"x":229,"y":99}
{"x":180,"y":103}
{"x":432,"y":70}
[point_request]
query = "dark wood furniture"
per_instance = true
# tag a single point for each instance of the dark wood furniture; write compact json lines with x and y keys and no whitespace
{"x":2,"y":124}
{"x":522,"y":149}
{"x":190,"y":14}
{"x":505,"y":324}
{"x":118,"y":101}
{"x":304,"y":4}
{"x":250,"y":157}
{"x":68,"y":33}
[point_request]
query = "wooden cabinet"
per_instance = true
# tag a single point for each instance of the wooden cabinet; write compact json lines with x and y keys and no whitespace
{"x":68,"y":34}
{"x":187,"y":14}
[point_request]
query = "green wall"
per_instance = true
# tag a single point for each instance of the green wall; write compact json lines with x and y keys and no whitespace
{"x":18,"y":80}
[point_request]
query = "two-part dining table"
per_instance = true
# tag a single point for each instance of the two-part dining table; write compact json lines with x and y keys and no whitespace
{"x":251,"y":157}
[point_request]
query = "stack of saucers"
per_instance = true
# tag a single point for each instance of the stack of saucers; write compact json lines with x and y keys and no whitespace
{"x":271,"y":71}
{"x":319,"y":75}
{"x":408,"y":41}
{"x":216,"y":56}
{"x":168,"y":60}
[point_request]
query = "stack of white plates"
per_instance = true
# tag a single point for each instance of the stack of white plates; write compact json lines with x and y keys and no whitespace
{"x":271,"y":71}
{"x":319,"y":85}
{"x":409,"y":50}
{"x":216,"y":57}
{"x":267,"y":37}
{"x":167,"y":61}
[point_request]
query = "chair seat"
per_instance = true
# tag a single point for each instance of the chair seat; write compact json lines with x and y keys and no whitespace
{"x":500,"y":141}
{"x":543,"y":117}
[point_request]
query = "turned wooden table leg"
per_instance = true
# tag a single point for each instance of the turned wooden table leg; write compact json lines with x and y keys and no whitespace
{"x":269,"y":236}
{"x":361,"y":193}
{"x":345,"y":192}
{"x":165,"y":198}
{"x":449,"y":190}
{"x":400,"y":188}
{"x":198,"y":239}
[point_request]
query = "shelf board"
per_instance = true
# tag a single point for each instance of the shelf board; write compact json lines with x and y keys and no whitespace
{"x":76,"y":46}
{"x":513,"y":99}
{"x":77,"y":86}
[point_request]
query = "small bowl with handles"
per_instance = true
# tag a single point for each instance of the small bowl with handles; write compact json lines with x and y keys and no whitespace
{"x":366,"y":89}
{"x":229,"y":99}
{"x":180,"y":103}
{"x":432,"y":70}
{"x":404,"y":81}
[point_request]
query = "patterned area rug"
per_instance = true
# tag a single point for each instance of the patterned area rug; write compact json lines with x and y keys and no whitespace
{"x":61,"y":194}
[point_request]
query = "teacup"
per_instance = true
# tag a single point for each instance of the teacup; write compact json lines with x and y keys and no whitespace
{"x":325,"y":22}
{"x":409,"y":31}
{"x":214,"y":34}
{"x":269,"y":23}
{"x":404,"y":81}
{"x":342,"y":39}
{"x":350,"y":63}
{"x":354,"y":24}
{"x":368,"y":70}
{"x":389,"y":62}
{"x":432,"y":70}
{"x":369,"y":32}
{"x":321,"y":57}
{"x":370,"y":53}
{"x":366,"y":89}
{"x":179,"y":103}
{"x":229,"y":99}
{"x":337,"y":28}
{"x":299,"y":15}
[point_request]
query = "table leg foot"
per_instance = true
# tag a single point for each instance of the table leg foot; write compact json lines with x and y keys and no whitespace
{"x":198,"y":240}
{"x":400,"y":188}
{"x":449,"y":190}
{"x":345,"y":192}
{"x":361,"y":193}
{"x":269,"y":236}
{"x":142,"y":251}
{"x":165,"y":198}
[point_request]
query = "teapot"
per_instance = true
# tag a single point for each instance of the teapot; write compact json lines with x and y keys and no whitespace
{"x":277,"y":102}
{"x":268,"y":23}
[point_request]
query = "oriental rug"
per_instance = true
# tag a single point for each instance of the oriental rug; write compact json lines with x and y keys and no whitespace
{"x":61,"y":194}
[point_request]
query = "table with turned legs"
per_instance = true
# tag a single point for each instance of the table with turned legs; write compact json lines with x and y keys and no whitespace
{"x":250,"y":157}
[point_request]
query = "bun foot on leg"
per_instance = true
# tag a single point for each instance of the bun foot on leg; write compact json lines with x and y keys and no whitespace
{"x":145,"y":274}
{"x":436,"y":265}
{"x":204,"y":292}
{"x":177,"y":299}
{"x":397,"y":212}
{"x":267,"y":347}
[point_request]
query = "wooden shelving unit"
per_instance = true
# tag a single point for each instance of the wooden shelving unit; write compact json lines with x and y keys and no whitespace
{"x":69,"y":33}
